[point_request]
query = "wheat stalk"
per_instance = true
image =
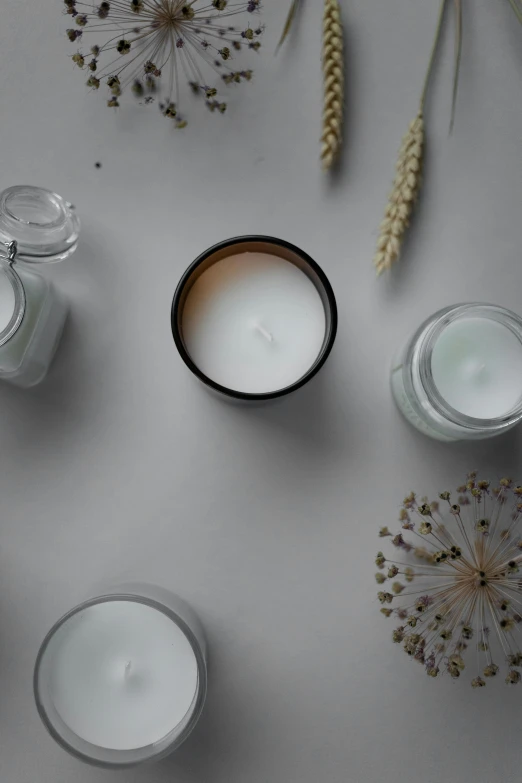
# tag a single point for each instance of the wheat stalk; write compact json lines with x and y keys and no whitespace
{"x":407,"y":183}
{"x":333,"y":72}
{"x":403,"y":196}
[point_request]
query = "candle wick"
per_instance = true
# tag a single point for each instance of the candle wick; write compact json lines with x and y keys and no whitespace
{"x":266,"y":334}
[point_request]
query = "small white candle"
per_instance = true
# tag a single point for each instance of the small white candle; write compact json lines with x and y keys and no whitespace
{"x":7,"y":300}
{"x":26,"y":356}
{"x":254,"y":323}
{"x":477,"y":367}
{"x":120,"y":675}
{"x":459,"y":377}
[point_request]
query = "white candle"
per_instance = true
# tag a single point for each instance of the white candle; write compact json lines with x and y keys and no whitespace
{"x":121,"y":674}
{"x":459,"y":377}
{"x":26,"y":356}
{"x":7,"y":300}
{"x":477,"y":367}
{"x":254,"y":323}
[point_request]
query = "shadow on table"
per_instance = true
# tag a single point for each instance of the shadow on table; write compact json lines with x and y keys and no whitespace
{"x":307,"y":419}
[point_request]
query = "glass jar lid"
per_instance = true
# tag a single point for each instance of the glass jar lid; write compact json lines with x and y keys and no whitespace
{"x":44,"y":226}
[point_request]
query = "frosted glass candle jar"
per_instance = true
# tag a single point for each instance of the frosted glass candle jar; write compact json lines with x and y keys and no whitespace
{"x":460,"y":376}
{"x":254,"y":318}
{"x":36,"y":227}
{"x":122,"y":678}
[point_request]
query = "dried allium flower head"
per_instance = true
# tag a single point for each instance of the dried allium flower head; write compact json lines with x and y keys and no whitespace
{"x":463,"y":591}
{"x":151,"y":46}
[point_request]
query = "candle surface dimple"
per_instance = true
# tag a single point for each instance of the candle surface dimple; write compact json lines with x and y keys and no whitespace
{"x":477,"y":367}
{"x":254,"y":323}
{"x":7,"y":300}
{"x":123,"y":674}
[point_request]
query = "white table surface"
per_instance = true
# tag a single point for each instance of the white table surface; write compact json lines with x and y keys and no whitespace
{"x":121,"y":466}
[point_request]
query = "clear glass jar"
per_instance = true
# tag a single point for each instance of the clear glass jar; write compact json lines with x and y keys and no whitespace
{"x":460,"y":376}
{"x":36,"y":227}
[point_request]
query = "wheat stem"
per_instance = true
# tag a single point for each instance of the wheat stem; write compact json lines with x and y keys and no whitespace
{"x":433,"y":54}
{"x":333,"y":74}
{"x":288,"y":23}
{"x":406,"y":186}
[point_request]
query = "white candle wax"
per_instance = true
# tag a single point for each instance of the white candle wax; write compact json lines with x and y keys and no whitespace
{"x":254,"y":323}
{"x":123,"y":675}
{"x":7,"y":300}
{"x":477,"y":367}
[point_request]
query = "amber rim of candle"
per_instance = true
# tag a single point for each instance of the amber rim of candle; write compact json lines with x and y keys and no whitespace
{"x":111,"y":758}
{"x":264,"y":244}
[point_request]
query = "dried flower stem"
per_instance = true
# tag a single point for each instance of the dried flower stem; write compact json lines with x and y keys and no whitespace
{"x":333,"y":71}
{"x":407,"y":183}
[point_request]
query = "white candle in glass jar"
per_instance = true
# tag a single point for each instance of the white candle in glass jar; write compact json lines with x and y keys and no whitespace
{"x":121,"y":679}
{"x":459,"y":377}
{"x":477,"y":367}
{"x":25,"y":357}
{"x":7,"y":300}
{"x":123,"y":675}
{"x":254,"y":323}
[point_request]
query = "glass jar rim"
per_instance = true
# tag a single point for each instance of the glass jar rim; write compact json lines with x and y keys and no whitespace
{"x":108,"y":757}
{"x":427,"y":336}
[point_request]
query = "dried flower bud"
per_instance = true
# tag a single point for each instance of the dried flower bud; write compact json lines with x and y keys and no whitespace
{"x":123,"y":46}
{"x":398,"y":635}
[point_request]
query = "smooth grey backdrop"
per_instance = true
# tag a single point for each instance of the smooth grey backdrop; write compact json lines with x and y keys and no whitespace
{"x":122,"y":467}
